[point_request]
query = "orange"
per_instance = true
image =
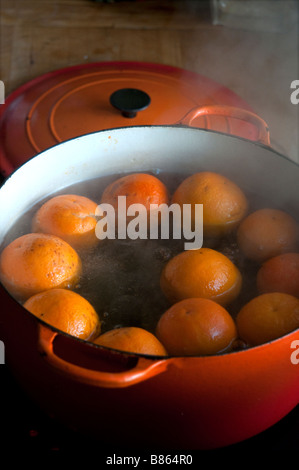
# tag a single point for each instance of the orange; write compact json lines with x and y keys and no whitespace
{"x":224,"y":203}
{"x":36,"y":262}
{"x":268,"y":317}
{"x":139,"y":188}
{"x":280,"y":274}
{"x":203,"y":273}
{"x":69,"y":217}
{"x":67,"y":311}
{"x":133,"y":340}
{"x":196,"y":327}
{"x":266,"y":233}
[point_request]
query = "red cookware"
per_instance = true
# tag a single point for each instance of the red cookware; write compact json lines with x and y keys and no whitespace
{"x":85,"y":98}
{"x":143,"y":401}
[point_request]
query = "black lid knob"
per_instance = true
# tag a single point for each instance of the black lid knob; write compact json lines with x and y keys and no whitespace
{"x":129,"y":101}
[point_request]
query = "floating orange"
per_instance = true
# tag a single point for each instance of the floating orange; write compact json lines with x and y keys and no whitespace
{"x":266,"y":233}
{"x":138,"y":188}
{"x":202,"y":273}
{"x":36,"y":262}
{"x":224,"y":203}
{"x":280,"y":274}
{"x":268,"y":317}
{"x":67,"y":311}
{"x":133,"y":340}
{"x":70,"y":217}
{"x":196,"y":327}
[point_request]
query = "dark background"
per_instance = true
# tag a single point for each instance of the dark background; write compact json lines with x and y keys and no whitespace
{"x":24,"y":427}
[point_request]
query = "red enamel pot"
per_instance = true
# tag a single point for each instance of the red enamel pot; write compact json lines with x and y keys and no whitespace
{"x":145,"y":401}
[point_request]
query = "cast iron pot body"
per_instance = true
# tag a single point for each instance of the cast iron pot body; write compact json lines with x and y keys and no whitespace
{"x":139,"y":401}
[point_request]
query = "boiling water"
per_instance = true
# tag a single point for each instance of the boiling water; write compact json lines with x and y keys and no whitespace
{"x":121,"y":278}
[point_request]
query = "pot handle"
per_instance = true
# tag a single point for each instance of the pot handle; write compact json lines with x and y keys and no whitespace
{"x":143,"y":370}
{"x":230,"y":112}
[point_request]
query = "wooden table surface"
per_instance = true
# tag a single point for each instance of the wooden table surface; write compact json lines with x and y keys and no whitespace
{"x":257,"y":58}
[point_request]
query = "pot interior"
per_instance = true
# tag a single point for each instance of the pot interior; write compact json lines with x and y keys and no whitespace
{"x":173,"y":149}
{"x":161,"y":149}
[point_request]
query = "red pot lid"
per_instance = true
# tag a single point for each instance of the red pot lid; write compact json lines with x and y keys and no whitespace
{"x":81,"y":99}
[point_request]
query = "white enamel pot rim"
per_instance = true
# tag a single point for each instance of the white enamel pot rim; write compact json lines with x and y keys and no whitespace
{"x":147,"y":148}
